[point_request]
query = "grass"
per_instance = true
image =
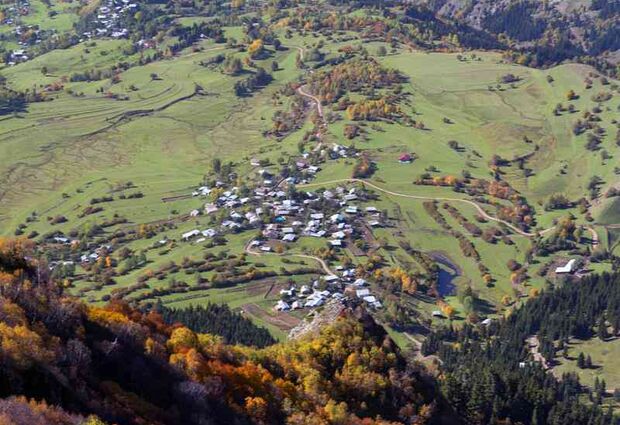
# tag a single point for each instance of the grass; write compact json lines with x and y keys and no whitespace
{"x":60,"y":154}
{"x":605,"y":359}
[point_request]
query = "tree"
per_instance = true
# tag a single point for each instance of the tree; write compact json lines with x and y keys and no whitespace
{"x":571,"y":95}
{"x":217,"y":165}
{"x":602,"y":329}
{"x":256,"y":48}
{"x":581,"y":361}
{"x":381,"y":51}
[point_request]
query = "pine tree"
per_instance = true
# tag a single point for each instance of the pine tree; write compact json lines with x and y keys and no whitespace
{"x":602,"y":329}
{"x":581,"y":361}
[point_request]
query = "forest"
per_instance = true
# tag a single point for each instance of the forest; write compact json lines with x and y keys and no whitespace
{"x":218,"y":320}
{"x":509,"y":385}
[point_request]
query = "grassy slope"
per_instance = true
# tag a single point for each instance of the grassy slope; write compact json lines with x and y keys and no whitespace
{"x":48,"y":150}
{"x":605,"y":358}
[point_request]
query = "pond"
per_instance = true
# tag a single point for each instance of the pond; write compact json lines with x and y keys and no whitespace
{"x":448,"y":271}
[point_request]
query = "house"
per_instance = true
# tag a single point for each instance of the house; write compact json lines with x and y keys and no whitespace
{"x":288,"y":292}
{"x":331,"y":278}
{"x":351,"y":210}
{"x":290,"y":237}
{"x":336,"y":218}
{"x":315,"y":302}
{"x":210,"y":208}
{"x":567,"y":268}
{"x":209,"y":233}
{"x":282,"y":306}
{"x":437,"y":313}
{"x":361,"y":293}
{"x":339,"y":235}
{"x":405,"y":158}
{"x":265,"y":248}
{"x":374,"y":223}
{"x":370,"y":299}
{"x":296,"y":305}
{"x":335,"y":242}
{"x":360,"y":282}
{"x":188,"y":235}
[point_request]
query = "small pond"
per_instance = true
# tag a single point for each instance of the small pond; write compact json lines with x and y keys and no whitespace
{"x":448,"y":271}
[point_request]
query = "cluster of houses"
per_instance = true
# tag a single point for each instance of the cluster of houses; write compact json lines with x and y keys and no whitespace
{"x":332,"y":215}
{"x":284,"y":216}
{"x":337,"y":287}
{"x":17,"y":56}
{"x":25,"y":35}
{"x":108,"y":22}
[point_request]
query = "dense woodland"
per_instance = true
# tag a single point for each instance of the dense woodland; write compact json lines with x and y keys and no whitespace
{"x":508,"y":384}
{"x":219,"y":319}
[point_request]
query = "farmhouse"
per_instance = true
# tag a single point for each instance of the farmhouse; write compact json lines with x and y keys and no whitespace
{"x":361,"y":293}
{"x":567,"y":268}
{"x":188,"y":235}
{"x":282,"y":306}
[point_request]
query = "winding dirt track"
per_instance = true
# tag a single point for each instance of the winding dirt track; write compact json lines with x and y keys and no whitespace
{"x":482,"y":212}
{"x":304,"y":93}
{"x":324,"y":266}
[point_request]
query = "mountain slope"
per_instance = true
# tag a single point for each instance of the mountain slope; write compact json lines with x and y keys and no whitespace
{"x":128,"y":367}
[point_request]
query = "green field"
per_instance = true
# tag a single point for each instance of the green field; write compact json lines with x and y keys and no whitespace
{"x":161,"y":135}
{"x":605,"y":359}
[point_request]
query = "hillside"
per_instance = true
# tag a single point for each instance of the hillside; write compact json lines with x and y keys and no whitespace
{"x":126,"y":367}
{"x":309,"y":211}
{"x":543,"y":32}
{"x":532,"y":355}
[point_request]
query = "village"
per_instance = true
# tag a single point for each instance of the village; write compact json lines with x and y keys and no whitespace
{"x":108,"y":19}
{"x":283,"y":216}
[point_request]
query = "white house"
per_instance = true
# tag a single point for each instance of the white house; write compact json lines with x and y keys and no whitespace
{"x":370,"y":299}
{"x":190,"y":234}
{"x":567,"y":268}
{"x":282,"y":306}
{"x":361,"y":293}
{"x":290,"y":237}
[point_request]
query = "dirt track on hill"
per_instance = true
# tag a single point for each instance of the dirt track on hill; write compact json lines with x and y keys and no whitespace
{"x":323,"y":264}
{"x":480,"y":210}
